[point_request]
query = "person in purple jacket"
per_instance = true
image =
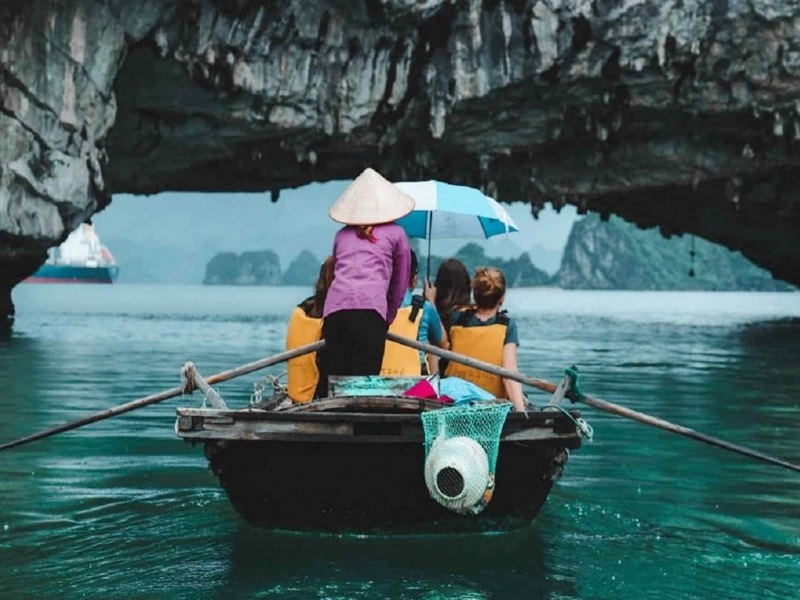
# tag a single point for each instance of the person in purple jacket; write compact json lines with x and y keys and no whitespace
{"x":371,"y":270}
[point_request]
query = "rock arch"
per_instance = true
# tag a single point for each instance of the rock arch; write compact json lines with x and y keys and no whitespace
{"x":681,"y":114}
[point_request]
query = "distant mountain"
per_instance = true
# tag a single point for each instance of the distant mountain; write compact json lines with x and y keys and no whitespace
{"x":263,"y":268}
{"x":619,"y":255}
{"x":598,"y":255}
{"x":155,"y":242}
{"x":303,"y":270}
{"x":519,"y":272}
{"x":247,"y":268}
{"x":546,"y":259}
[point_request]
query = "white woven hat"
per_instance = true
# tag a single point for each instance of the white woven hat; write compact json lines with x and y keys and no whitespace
{"x":369,"y":200}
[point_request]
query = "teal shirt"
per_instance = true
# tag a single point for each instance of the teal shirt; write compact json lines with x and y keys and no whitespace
{"x":430,"y":327}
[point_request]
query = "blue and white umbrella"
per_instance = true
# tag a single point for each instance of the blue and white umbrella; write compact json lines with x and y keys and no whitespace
{"x":447,"y":211}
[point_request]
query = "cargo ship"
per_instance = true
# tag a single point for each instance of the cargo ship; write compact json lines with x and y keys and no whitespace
{"x":80,"y":259}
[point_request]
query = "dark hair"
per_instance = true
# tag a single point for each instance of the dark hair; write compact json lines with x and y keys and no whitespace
{"x":414,"y":266}
{"x":452,"y":288}
{"x":321,"y":288}
{"x":488,"y":286}
{"x":364,"y":232}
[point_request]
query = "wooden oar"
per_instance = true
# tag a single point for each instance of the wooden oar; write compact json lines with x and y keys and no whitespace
{"x":591,"y":401}
{"x":165,"y":395}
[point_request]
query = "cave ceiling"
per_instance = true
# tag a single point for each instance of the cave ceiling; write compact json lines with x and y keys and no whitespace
{"x":679,"y":114}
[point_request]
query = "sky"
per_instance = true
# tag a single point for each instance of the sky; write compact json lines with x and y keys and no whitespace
{"x":199,"y":225}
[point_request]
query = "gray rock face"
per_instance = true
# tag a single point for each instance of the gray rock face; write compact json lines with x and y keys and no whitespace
{"x":303,"y":270}
{"x":618,"y":256}
{"x":678,"y":113}
{"x":248,"y":268}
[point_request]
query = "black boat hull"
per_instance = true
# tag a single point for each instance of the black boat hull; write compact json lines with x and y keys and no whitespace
{"x":356,"y":464}
{"x":356,"y":487}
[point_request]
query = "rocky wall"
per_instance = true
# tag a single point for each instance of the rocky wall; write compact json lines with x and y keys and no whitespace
{"x":678,"y":113}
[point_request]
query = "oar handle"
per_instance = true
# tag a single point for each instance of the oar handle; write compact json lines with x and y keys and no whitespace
{"x":591,"y":401}
{"x":165,"y":395}
{"x":541,"y":384}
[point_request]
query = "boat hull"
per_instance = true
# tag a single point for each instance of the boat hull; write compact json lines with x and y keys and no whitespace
{"x":376,"y":488}
{"x":74,"y":274}
{"x":362,"y":470}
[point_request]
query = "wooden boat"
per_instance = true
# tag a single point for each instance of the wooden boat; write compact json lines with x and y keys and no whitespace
{"x":351,"y":462}
{"x":355,"y":463}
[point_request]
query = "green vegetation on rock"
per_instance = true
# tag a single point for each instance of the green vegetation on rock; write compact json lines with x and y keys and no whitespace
{"x":519,"y":272}
{"x":618,"y":255}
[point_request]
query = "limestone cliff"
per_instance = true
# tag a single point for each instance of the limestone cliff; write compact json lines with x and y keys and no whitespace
{"x":618,"y":256}
{"x":679,"y":113}
{"x":303,"y":270}
{"x":248,"y":268}
{"x":518,"y":272}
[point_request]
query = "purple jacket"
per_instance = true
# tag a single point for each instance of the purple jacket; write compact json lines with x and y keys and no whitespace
{"x":369,"y":275}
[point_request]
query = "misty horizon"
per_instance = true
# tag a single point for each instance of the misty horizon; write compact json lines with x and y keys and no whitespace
{"x":170,"y":237}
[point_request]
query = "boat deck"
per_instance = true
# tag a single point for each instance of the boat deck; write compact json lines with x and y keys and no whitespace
{"x":357,"y":419}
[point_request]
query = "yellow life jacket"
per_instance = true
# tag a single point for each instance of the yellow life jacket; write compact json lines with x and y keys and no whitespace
{"x":303,"y":374}
{"x":397,"y":358}
{"x":484,"y":342}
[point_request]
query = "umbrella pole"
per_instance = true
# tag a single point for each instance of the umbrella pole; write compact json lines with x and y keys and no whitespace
{"x":430,"y":224}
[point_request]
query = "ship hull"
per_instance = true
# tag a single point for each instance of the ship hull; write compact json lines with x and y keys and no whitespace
{"x":73,"y":274}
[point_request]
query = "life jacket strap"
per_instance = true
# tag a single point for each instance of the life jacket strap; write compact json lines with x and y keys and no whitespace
{"x":417,"y":302}
{"x":464,"y":318}
{"x":500,"y":319}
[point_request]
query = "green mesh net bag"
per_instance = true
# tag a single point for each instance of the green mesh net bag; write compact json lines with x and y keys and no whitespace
{"x":461,"y":446}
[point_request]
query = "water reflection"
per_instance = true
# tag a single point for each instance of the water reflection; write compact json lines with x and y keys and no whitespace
{"x":24,"y":373}
{"x":286,"y":565}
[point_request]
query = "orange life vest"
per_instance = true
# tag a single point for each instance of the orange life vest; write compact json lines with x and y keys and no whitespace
{"x":303,"y":374}
{"x":484,"y":342}
{"x":397,"y":358}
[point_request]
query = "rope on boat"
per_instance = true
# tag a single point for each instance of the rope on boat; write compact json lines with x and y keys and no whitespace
{"x":191,"y":380}
{"x":210,"y":392}
{"x":574,"y":385}
{"x":570,"y":384}
{"x":274,"y":381}
{"x":187,"y":378}
{"x":586,"y":430}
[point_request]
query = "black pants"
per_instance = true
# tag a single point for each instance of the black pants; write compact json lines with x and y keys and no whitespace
{"x":354,"y":343}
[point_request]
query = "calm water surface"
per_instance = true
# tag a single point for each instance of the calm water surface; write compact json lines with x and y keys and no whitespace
{"x":122,"y":508}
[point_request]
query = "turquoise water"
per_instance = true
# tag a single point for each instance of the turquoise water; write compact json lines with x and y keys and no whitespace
{"x":122,"y":508}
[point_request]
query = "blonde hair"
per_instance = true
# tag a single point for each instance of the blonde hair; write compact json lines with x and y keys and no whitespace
{"x":488,"y":286}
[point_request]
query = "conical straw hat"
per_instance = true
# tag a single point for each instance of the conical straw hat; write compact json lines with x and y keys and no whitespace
{"x":370,"y":200}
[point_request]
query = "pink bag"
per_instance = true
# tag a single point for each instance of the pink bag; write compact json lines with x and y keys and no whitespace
{"x":426,"y":391}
